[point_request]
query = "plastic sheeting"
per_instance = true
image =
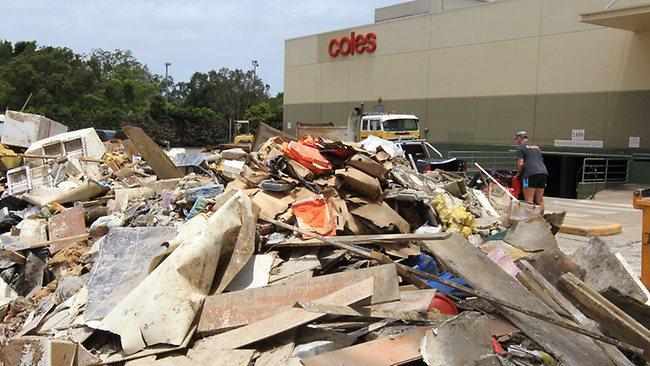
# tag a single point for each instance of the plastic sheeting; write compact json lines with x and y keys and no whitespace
{"x":119,"y":267}
{"x":307,"y":156}
{"x":372,"y":143}
{"x":163,"y":306}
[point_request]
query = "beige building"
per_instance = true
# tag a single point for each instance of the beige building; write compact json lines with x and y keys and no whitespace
{"x":477,"y":71}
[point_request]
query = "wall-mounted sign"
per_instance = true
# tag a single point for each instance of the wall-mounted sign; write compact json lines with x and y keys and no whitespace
{"x":355,"y":44}
{"x":597,"y":144}
{"x":578,"y":135}
{"x":635,"y":142}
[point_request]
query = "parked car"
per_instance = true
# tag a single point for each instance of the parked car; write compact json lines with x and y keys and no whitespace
{"x":427,"y":157}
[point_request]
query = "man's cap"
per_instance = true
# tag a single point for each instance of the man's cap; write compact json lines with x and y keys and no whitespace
{"x":522,"y":134}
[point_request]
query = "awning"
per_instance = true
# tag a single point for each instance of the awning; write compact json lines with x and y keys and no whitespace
{"x":633,"y":18}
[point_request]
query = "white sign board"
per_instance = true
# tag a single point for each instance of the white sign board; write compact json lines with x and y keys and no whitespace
{"x":288,"y":125}
{"x":635,"y":142}
{"x":598,"y":144}
{"x":577,"y":135}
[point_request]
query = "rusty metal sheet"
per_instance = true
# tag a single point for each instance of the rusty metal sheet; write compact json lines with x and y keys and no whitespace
{"x":66,"y":224}
{"x":384,"y":351}
{"x":239,"y":308}
{"x":286,"y":320}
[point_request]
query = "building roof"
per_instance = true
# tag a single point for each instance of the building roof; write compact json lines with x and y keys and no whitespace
{"x":633,"y":18}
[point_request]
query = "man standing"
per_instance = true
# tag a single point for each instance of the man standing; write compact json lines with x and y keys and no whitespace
{"x":531,"y":169}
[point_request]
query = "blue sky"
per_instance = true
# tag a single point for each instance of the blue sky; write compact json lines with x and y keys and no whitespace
{"x":194,"y":35}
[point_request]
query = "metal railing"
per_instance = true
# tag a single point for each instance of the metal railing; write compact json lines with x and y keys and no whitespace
{"x":606,"y":170}
{"x":497,"y":160}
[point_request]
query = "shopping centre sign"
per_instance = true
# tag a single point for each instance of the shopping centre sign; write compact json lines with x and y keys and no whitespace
{"x":355,"y":44}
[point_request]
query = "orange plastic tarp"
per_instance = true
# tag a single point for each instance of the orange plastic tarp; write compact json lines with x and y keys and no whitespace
{"x":315,"y":215}
{"x":307,"y":155}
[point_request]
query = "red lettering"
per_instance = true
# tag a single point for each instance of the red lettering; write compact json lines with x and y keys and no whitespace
{"x":360,"y":42}
{"x":371,"y":38}
{"x":345,"y":50}
{"x":332,"y":51}
{"x":356,"y":44}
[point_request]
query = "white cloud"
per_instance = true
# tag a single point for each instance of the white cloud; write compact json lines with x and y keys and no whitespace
{"x":195,"y":35}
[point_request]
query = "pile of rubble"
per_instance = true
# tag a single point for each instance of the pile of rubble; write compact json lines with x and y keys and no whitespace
{"x":300,"y":252}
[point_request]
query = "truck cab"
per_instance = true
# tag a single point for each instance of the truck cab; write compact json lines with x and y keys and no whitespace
{"x":390,"y":126}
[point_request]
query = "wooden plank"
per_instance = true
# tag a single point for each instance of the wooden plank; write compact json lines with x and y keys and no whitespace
{"x":416,"y":300}
{"x":359,"y":239}
{"x":279,"y":354}
{"x":610,"y":318}
{"x":603,"y":269}
{"x":247,"y":306}
{"x":486,"y":276}
{"x":418,"y":316}
{"x":68,"y":223}
{"x":76,"y":238}
{"x":554,"y":263}
{"x":386,"y":351}
{"x":633,"y":307}
{"x":531,"y":278}
{"x":153,"y":154}
{"x":265,"y":132}
{"x":289,"y":319}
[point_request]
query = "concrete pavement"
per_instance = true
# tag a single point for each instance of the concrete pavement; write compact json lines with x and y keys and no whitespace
{"x":610,"y":206}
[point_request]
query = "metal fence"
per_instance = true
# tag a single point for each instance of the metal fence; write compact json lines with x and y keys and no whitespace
{"x":606,"y":170}
{"x":497,"y":160}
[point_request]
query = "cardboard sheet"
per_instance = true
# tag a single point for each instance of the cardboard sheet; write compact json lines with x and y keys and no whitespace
{"x":357,"y":181}
{"x":381,"y":216}
{"x":368,"y":166}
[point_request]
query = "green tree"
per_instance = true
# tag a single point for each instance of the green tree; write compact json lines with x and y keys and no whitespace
{"x":111,"y":89}
{"x":268,"y":111}
{"x":229,"y":92}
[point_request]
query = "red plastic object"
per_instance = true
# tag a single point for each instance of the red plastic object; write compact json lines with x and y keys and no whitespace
{"x":443,"y":304}
{"x":496,"y":346}
{"x":515,"y":186}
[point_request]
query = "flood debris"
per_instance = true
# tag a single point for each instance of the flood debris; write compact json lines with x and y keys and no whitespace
{"x":295,"y":251}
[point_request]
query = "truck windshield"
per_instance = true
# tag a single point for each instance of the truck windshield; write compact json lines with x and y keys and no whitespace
{"x":401,"y":125}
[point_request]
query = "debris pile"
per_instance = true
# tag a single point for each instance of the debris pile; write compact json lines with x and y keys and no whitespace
{"x":299,"y":252}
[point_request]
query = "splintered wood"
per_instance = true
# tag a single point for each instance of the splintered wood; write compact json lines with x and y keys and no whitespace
{"x":239,"y":308}
{"x":483,"y":274}
{"x":289,"y":319}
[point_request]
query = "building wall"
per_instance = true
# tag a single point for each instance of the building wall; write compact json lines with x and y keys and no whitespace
{"x":478,"y":74}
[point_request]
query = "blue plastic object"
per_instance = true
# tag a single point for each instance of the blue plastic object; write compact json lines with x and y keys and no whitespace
{"x":428,"y":264}
{"x":200,"y":205}
{"x":207,"y":191}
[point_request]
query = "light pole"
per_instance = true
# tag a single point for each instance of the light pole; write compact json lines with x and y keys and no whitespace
{"x":167,"y":65}
{"x":255,"y":65}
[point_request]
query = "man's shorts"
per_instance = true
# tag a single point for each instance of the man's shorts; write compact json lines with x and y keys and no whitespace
{"x":535,"y":181}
